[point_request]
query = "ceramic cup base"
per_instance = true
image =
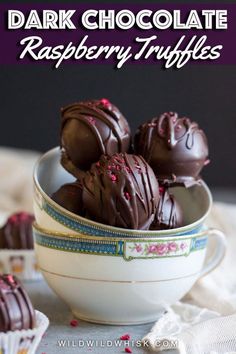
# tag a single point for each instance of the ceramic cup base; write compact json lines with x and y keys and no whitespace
{"x":79,"y":316}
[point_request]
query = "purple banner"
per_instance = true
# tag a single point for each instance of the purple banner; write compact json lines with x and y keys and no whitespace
{"x":173,"y":35}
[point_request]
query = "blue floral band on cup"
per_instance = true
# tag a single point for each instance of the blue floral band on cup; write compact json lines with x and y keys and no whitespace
{"x":139,"y":248}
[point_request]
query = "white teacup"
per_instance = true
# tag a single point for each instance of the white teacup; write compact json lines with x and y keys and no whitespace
{"x":118,"y":276}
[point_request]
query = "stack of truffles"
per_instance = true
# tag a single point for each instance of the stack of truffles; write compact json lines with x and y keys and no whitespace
{"x":125,"y":184}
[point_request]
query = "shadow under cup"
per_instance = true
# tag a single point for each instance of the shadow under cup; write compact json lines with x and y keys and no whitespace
{"x":118,"y":276}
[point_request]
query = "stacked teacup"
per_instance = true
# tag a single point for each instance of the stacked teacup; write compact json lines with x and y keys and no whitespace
{"x":120,"y":229}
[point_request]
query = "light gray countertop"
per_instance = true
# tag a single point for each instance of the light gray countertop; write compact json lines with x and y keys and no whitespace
{"x":74,"y":338}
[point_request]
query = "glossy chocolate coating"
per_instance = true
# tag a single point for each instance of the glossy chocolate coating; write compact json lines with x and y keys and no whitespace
{"x":169,"y":214}
{"x":90,"y":129}
{"x":121,"y":191}
{"x":17,"y":232}
{"x":16,"y":309}
{"x":69,"y":196}
{"x":174,"y":147}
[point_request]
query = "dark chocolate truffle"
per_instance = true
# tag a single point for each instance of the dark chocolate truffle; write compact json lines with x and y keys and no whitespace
{"x":90,"y":129}
{"x":16,"y":310}
{"x":174,"y":147}
{"x":169,"y":214}
{"x":17,"y":232}
{"x":69,"y":196}
{"x":121,"y":191}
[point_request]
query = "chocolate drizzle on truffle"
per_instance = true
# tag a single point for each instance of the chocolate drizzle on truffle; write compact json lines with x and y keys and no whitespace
{"x":90,"y":129}
{"x":174,"y":147}
{"x":169,"y":214}
{"x":121,"y":191}
{"x":16,"y":310}
{"x":172,"y":129}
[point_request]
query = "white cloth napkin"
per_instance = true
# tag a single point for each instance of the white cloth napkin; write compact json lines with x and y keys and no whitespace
{"x":16,"y":183}
{"x":204,"y":322}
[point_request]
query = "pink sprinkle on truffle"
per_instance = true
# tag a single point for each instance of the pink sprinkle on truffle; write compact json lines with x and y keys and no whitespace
{"x":125,"y":337}
{"x":127,"y":195}
{"x":13,"y":219}
{"x":119,"y":159}
{"x":74,"y":323}
{"x":92,"y":120}
{"x":10,"y":278}
{"x":105,"y":101}
{"x":19,"y":217}
{"x":128,"y":350}
{"x":161,"y":190}
{"x":113,"y":178}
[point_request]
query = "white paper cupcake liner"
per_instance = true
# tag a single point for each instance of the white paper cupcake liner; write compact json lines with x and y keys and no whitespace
{"x":24,"y":341}
{"x":21,"y":263}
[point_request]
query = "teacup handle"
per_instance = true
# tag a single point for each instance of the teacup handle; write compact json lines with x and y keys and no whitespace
{"x":218,"y":254}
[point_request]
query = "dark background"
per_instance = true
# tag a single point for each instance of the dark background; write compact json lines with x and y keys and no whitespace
{"x":31,"y":97}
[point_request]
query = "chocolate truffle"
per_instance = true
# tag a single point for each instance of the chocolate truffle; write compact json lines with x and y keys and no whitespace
{"x":69,"y":196}
{"x":169,"y":214}
{"x":174,"y":147}
{"x":16,"y":310}
{"x":121,"y":191}
{"x":90,"y":129}
{"x":17,"y":232}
